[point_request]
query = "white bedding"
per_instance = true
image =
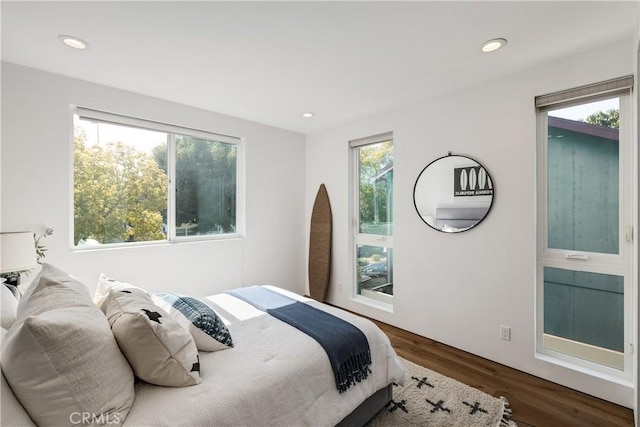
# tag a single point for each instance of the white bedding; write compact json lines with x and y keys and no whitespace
{"x":275,"y":375}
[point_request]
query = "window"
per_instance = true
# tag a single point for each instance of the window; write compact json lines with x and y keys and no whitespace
{"x":584,"y":216}
{"x":141,"y":181}
{"x":373,"y":230}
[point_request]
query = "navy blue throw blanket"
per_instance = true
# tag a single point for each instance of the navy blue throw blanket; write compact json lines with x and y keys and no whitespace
{"x":346,"y":346}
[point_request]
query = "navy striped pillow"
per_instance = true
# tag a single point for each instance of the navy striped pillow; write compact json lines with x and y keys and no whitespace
{"x":208,"y":330}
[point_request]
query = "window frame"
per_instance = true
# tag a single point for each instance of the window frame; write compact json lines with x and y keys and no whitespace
{"x":171,"y":131}
{"x":365,"y":239}
{"x":620,"y":264}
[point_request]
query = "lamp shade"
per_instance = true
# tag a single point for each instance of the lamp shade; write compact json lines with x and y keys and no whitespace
{"x":17,"y":252}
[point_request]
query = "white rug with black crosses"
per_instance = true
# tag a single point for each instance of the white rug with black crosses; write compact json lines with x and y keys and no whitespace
{"x":431,"y":399}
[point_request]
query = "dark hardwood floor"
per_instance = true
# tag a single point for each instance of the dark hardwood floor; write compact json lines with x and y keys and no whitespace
{"x":534,"y":401}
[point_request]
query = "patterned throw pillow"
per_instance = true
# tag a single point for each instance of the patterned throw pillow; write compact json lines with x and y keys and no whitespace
{"x":204,"y":325}
{"x":60,"y":357}
{"x":158,"y":349}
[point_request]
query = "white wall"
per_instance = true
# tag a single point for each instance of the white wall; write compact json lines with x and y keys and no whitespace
{"x":36,"y":190}
{"x":636,"y":138}
{"x":459,"y":288}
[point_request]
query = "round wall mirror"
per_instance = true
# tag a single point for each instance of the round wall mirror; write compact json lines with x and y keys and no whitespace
{"x":453,"y":194}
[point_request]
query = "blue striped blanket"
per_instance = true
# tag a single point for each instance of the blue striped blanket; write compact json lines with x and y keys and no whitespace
{"x":346,"y":345}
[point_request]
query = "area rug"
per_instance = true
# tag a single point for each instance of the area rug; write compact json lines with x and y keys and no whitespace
{"x":431,"y":399}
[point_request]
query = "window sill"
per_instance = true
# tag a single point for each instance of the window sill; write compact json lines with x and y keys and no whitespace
{"x":370,"y":302}
{"x":585,"y":367}
{"x":180,"y":240}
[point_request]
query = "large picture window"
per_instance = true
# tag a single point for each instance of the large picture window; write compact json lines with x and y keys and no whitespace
{"x":373,"y":201}
{"x":584,"y":217}
{"x":141,"y":181}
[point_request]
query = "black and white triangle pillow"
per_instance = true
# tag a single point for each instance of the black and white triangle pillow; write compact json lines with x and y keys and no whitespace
{"x":205,"y":326}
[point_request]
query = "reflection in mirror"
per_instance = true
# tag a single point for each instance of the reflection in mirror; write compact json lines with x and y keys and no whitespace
{"x":453,"y":193}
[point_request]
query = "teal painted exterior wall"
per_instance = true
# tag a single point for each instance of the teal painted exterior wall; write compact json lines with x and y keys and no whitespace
{"x":583,"y":192}
{"x":584,"y":307}
{"x":583,"y":179}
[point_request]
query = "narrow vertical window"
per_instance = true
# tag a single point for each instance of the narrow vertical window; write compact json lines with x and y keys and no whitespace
{"x":584,"y":215}
{"x":373,"y":230}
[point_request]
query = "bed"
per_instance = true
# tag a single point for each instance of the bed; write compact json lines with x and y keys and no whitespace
{"x":453,"y":219}
{"x":274,"y":375}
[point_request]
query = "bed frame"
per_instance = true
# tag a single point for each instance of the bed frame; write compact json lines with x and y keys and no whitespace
{"x":368,"y":409}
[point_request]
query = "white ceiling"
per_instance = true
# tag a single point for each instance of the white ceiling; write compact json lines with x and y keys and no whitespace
{"x":271,"y":61}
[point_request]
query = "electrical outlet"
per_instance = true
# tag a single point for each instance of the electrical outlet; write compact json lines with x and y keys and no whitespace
{"x":505,"y":333}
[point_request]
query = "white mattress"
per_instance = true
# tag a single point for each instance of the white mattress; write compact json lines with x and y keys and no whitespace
{"x":275,"y":375}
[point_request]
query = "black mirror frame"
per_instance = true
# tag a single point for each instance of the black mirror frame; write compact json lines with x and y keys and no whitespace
{"x":415,"y":186}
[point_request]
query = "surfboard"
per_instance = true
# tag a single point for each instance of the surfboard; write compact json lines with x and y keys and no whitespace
{"x":320,"y":246}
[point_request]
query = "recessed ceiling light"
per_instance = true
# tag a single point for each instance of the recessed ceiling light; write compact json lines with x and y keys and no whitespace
{"x":307,"y":115}
{"x":74,"y":42}
{"x":493,"y":45}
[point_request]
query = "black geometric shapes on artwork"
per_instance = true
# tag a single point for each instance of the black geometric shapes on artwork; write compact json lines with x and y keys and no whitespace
{"x":126,"y":292}
{"x":438,"y":406}
{"x":397,"y":405}
{"x":475,"y":408}
{"x":422,"y":382}
{"x":154,"y":316}
{"x":196,"y":366}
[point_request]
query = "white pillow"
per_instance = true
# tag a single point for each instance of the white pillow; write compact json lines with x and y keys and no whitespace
{"x":450,"y":229}
{"x":60,"y":357}
{"x":13,"y":414}
{"x":207,"y":329}
{"x":9,"y":309}
{"x":159,"y":350}
{"x":105,"y":284}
